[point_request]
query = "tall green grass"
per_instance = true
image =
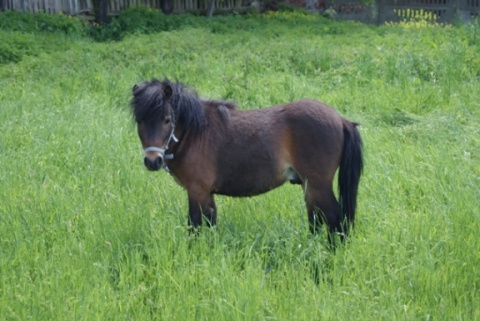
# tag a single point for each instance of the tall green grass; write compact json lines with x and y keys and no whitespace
{"x":86,"y":233}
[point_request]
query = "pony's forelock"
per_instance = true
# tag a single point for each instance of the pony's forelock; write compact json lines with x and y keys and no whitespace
{"x":148,"y":101}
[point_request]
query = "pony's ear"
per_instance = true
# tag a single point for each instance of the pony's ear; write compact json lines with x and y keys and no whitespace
{"x":168,"y":91}
{"x":137,"y":87}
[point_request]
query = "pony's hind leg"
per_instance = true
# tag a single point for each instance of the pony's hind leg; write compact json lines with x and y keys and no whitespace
{"x":323,"y":208}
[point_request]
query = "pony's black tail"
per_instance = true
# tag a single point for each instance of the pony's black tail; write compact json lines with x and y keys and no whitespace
{"x":351,"y":167}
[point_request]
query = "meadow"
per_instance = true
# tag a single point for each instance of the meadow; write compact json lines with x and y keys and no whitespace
{"x":87,"y":233}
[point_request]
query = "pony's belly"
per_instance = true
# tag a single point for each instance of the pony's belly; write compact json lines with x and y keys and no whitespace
{"x":241,"y":187}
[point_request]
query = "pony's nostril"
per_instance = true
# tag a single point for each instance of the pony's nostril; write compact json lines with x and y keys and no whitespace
{"x":153,"y":165}
{"x":158,"y":163}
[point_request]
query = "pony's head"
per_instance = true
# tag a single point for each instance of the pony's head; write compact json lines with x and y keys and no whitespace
{"x":158,"y":106}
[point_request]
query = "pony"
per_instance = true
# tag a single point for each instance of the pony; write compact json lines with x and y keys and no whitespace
{"x":211,"y":147}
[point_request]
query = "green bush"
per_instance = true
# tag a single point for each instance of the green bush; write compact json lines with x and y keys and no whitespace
{"x":15,"y":45}
{"x":141,"y":20}
{"x":34,"y":22}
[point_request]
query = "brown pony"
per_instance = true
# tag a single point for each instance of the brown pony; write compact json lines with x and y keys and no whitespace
{"x":210,"y":147}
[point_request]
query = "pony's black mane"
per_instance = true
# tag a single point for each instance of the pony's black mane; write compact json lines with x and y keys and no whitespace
{"x":150,"y":102}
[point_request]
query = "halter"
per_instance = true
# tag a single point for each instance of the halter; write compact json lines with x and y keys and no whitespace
{"x":162,"y":151}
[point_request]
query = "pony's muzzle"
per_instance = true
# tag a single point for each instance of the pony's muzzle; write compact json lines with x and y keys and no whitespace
{"x":153,"y":163}
{"x":154,"y":158}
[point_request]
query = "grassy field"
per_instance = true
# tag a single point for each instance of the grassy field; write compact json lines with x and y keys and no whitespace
{"x":86,"y":233}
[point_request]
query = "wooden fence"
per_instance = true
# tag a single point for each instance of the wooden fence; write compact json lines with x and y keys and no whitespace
{"x":382,"y":11}
{"x":438,"y":10}
{"x":443,"y":11}
{"x":114,"y":7}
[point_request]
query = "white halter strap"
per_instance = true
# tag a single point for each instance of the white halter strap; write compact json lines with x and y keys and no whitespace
{"x":161,"y":151}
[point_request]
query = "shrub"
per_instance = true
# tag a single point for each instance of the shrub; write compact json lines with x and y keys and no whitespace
{"x":34,"y":22}
{"x":141,"y":20}
{"x":15,"y":45}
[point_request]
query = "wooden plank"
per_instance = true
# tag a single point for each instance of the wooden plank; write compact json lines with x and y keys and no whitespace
{"x":30,"y":5}
{"x":111,"y":6}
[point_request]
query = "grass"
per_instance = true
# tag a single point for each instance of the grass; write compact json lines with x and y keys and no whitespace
{"x":86,"y":233}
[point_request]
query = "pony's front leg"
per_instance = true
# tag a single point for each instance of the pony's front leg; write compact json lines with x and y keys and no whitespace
{"x":199,"y":207}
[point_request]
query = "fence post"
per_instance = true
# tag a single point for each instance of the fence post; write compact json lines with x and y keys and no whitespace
{"x":100,"y":10}
{"x":104,"y":15}
{"x":381,"y":11}
{"x":166,"y":6}
{"x":211,"y":8}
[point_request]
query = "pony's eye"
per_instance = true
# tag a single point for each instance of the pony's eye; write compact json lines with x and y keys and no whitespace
{"x":167,"y":121}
